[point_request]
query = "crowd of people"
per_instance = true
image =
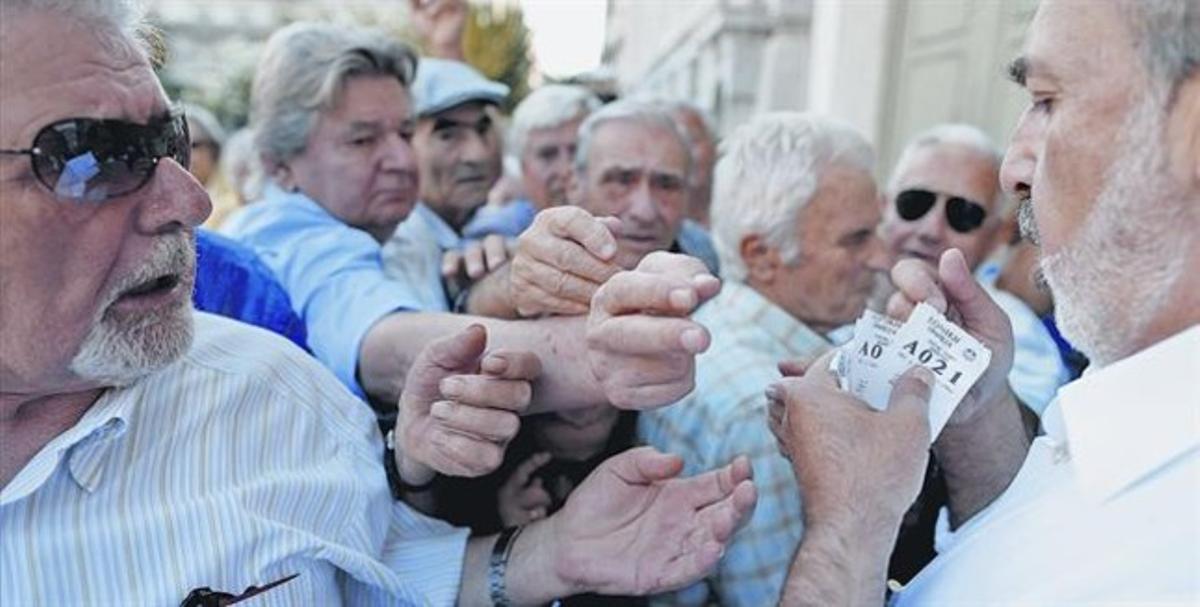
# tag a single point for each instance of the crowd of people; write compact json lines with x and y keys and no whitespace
{"x":426,"y":353}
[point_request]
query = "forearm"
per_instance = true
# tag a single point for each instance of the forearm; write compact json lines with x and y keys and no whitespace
{"x":531,"y":577}
{"x":840,"y":566}
{"x":490,"y":296}
{"x":392,"y":345}
{"x":980,"y":457}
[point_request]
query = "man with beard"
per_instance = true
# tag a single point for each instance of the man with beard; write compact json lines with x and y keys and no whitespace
{"x":1106,"y":163}
{"x":150,"y":454}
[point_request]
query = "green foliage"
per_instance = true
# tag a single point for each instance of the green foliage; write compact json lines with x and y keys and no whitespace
{"x":496,"y":42}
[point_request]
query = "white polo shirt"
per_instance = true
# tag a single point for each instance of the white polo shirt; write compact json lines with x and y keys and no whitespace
{"x":1106,"y":508}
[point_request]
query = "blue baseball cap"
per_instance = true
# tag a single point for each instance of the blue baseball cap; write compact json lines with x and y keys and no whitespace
{"x":442,"y":84}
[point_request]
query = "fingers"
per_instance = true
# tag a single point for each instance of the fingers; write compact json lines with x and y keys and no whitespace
{"x":795,"y":367}
{"x":488,"y":392}
{"x":456,"y":353}
{"x":491,"y":425}
{"x":473,"y":260}
{"x":818,"y":372}
{"x":650,"y":335}
{"x":970,"y":299}
{"x":642,"y":293}
{"x":716,"y":485}
{"x":451,"y":261}
{"x":910,"y":395}
{"x":580,"y":226}
{"x":457,"y":454}
{"x":555,"y":283}
{"x":722,"y":518}
{"x":511,"y":364}
{"x":644,"y":465}
{"x":917,"y":282}
{"x":495,"y":251}
{"x":529,"y":466}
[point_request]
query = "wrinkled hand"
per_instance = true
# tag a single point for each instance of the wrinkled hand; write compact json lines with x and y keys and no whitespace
{"x":843,"y":452}
{"x":439,"y":24}
{"x":633,"y":528}
{"x":475,"y":260}
{"x":460,"y":408}
{"x":953,"y":291}
{"x":561,"y":260}
{"x":641,"y":346}
{"x":520,"y":500}
{"x":776,"y":409}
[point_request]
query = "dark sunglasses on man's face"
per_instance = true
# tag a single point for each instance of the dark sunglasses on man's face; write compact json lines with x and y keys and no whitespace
{"x":963,"y":215}
{"x":89,"y":159}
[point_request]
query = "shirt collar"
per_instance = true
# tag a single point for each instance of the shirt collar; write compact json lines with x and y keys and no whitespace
{"x":85,"y":446}
{"x":781,"y":328}
{"x":447,"y":238}
{"x":1130,"y":418}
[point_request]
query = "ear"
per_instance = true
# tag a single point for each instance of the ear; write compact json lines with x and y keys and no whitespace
{"x":1183,"y":130}
{"x":761,"y":260}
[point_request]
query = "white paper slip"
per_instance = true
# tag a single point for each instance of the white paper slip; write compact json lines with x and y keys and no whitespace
{"x":870,"y":349}
{"x":956,"y":359}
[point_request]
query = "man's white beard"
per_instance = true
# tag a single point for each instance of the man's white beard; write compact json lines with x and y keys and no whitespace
{"x":120,"y":350}
{"x":1111,"y":280}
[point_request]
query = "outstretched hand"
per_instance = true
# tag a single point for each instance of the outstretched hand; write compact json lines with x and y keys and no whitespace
{"x":633,"y":527}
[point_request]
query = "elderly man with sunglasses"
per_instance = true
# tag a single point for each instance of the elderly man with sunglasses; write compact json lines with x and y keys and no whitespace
{"x":149,"y":453}
{"x":944,"y":194}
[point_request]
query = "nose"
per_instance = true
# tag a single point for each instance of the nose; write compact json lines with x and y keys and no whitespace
{"x":642,"y":207}
{"x":932,"y":227}
{"x":1020,"y":162}
{"x":398,"y":155}
{"x":479,"y":147}
{"x":878,"y":257}
{"x":173,"y":200}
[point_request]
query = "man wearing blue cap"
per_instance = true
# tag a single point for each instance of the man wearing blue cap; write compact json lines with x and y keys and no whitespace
{"x":458,"y":153}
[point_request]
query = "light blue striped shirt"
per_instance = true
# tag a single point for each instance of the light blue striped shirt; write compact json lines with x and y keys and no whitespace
{"x":726,"y":416}
{"x":240,"y":464}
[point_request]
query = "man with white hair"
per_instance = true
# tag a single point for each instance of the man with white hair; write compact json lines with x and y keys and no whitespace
{"x":150,"y":454}
{"x":945,"y":194}
{"x":795,"y":217}
{"x":630,"y":185}
{"x":1103,"y":510}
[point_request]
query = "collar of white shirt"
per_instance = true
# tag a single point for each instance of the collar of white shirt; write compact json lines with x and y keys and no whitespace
{"x":446,"y":237}
{"x":1123,"y":422}
{"x":85,"y":445}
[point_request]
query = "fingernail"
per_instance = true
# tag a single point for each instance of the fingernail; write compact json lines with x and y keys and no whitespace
{"x":773,"y":392}
{"x":924,"y":376}
{"x":692,"y":340}
{"x":452,"y":387}
{"x":607,"y":250}
{"x":439,"y":409}
{"x":494,"y":365}
{"x":682,"y":299}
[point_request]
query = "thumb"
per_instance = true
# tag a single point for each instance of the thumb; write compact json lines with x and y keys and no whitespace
{"x":964,"y":292}
{"x":645,"y":465}
{"x":459,"y":353}
{"x":911,"y":392}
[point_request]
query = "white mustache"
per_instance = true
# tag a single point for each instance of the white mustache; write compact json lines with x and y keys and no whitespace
{"x":171,"y":255}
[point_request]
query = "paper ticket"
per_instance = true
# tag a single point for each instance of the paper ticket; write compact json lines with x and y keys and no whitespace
{"x":873,"y":337}
{"x":956,"y":359}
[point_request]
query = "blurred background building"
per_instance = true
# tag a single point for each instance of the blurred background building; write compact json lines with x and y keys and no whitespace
{"x":890,"y":68}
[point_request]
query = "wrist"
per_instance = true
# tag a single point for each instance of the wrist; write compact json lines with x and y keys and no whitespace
{"x":535,"y":574}
{"x":996,"y":411}
{"x":410,"y":471}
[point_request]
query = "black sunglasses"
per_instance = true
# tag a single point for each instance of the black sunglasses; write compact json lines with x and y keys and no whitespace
{"x":90,"y":159}
{"x":963,"y":215}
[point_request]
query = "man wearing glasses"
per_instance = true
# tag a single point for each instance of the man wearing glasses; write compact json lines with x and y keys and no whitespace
{"x":945,"y":194}
{"x":150,"y":454}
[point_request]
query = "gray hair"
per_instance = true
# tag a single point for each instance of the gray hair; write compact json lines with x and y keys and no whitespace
{"x":126,"y":17}
{"x":629,"y":111}
{"x":201,"y":119}
{"x":770,"y":169}
{"x":304,"y":69}
{"x":965,"y":135}
{"x":548,"y":107}
{"x":241,"y":166}
{"x":1167,"y":34}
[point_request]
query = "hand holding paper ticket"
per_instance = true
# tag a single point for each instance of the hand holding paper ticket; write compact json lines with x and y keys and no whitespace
{"x":952,"y":290}
{"x":883,"y":349}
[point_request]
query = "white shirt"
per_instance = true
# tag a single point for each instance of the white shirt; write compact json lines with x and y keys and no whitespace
{"x":1105,"y":509}
{"x":413,"y":255}
{"x":241,"y":463}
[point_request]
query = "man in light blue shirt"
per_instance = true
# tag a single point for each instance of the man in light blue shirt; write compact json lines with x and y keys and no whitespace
{"x":794,"y":216}
{"x":342,"y":175}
